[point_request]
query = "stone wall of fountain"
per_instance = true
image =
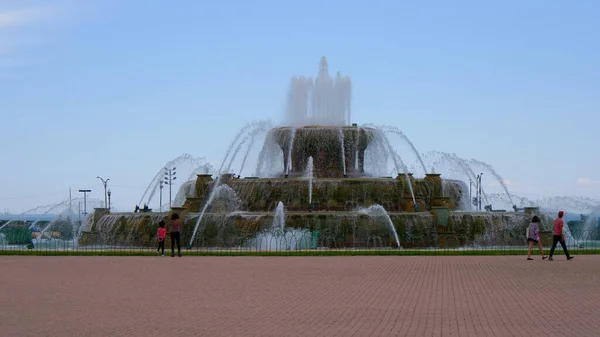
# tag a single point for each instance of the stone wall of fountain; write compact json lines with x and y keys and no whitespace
{"x":334,"y":222}
{"x":336,"y":151}
{"x":328,"y":229}
{"x":331,"y":193}
{"x":122,"y":229}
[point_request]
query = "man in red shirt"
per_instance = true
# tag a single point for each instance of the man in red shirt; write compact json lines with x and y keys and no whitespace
{"x":559,"y":237}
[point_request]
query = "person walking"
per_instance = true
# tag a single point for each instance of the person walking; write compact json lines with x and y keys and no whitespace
{"x":533,"y":236}
{"x":559,"y":237}
{"x":175,"y":225}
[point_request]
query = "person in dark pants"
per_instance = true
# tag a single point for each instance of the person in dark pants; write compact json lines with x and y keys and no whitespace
{"x":175,"y":225}
{"x":559,"y":237}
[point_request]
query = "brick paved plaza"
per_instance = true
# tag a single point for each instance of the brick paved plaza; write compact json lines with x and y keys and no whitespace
{"x":299,"y":296}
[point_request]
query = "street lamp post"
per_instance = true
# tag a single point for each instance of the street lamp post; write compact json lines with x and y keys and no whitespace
{"x":161,"y":185}
{"x":470,"y":197}
{"x":104,"y":182}
{"x":108,"y":199}
{"x":479,"y":191}
{"x":85,"y":192}
{"x":169,"y":178}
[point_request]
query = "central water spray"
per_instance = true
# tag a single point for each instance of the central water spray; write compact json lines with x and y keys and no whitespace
{"x":342,"y":150}
{"x":309,"y":175}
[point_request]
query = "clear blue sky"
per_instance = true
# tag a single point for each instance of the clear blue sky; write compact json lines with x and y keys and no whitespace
{"x":118,"y":88}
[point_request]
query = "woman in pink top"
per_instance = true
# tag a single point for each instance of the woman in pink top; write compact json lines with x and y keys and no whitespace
{"x":175,"y":225}
{"x":160,"y":237}
{"x":534,"y":236}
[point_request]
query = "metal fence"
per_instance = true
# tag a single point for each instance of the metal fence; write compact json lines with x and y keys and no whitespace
{"x":304,"y":242}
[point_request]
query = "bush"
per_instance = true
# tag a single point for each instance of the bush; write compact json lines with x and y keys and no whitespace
{"x":18,"y":236}
{"x":65,"y":228}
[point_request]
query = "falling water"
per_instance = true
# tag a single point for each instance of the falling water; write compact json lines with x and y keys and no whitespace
{"x":9,"y":221}
{"x":341,"y":137}
{"x":255,"y":128}
{"x":187,"y":159}
{"x":571,"y":204}
{"x":237,"y":150}
{"x":400,"y":167}
{"x":496,"y":175}
{"x":309,"y":175}
{"x":395,"y":130}
{"x":235,"y":140}
{"x":590,"y":225}
{"x":409,"y":183}
{"x":356,"y":142}
{"x":86,"y":226}
{"x":246,"y":156}
{"x":264,"y":126}
{"x":33,"y":224}
{"x":462,"y":164}
{"x":377,"y":211}
{"x":211,"y":197}
{"x":271,"y":160}
{"x":278,"y":225}
{"x":569,"y":239}
{"x":289,"y":154}
{"x":45,"y":229}
{"x":279,"y":238}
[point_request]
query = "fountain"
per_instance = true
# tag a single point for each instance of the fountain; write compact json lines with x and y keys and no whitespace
{"x":377,"y":211}
{"x":309,"y":176}
{"x":350,"y":200}
{"x":194,"y":164}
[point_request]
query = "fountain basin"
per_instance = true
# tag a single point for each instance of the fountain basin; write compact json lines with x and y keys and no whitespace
{"x":344,"y":229}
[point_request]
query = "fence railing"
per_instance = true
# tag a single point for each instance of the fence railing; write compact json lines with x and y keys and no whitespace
{"x":291,"y":242}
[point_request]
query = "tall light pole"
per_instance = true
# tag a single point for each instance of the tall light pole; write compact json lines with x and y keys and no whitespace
{"x":161,"y":185}
{"x":108,"y":199}
{"x":470,"y":197}
{"x":104,"y":182}
{"x":169,"y":178}
{"x":479,"y":191}
{"x":85,"y":192}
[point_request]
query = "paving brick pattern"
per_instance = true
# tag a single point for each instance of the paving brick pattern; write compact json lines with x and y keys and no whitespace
{"x":299,"y":296}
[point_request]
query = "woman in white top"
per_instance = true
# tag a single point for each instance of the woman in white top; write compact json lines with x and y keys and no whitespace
{"x":534,"y":236}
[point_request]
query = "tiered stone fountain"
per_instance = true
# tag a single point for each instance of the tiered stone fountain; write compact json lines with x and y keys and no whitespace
{"x":244,"y":207}
{"x":332,"y":207}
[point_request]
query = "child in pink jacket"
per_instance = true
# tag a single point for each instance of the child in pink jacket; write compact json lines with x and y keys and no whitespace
{"x":162,"y":233}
